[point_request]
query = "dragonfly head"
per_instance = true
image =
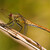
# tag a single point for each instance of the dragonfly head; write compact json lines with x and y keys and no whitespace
{"x":10,"y":15}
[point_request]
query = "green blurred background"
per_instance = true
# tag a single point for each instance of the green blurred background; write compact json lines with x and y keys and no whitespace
{"x":37,"y":11}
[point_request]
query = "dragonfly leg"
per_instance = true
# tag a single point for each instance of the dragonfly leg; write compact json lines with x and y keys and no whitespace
{"x":19,"y":26}
{"x":10,"y":23}
{"x":25,"y":29}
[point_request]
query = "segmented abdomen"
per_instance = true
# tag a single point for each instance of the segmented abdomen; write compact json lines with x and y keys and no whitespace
{"x":36,"y":25}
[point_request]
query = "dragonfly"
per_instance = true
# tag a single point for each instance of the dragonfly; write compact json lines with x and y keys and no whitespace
{"x":18,"y":18}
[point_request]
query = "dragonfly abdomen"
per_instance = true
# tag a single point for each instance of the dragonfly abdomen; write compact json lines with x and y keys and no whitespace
{"x":41,"y":27}
{"x":36,"y":25}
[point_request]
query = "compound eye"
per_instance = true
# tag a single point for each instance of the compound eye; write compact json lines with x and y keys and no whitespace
{"x":10,"y":15}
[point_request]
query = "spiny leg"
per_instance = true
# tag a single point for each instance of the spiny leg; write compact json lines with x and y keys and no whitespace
{"x":10,"y":23}
{"x":19,"y":26}
{"x":25,"y":29}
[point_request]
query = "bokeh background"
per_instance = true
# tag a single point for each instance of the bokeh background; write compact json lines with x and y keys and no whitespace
{"x":37,"y":11}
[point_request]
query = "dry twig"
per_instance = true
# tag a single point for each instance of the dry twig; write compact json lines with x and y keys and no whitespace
{"x":22,"y":39}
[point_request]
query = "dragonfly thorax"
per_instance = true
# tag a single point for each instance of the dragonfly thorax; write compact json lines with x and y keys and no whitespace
{"x":16,"y":18}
